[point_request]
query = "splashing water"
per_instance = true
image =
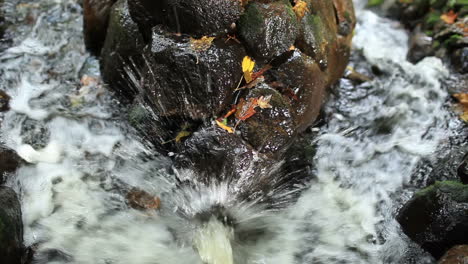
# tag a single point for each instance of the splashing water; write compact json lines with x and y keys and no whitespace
{"x":84,"y":157}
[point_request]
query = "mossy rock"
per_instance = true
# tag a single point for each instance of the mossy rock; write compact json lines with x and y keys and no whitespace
{"x":437,"y":217}
{"x":268,"y":29}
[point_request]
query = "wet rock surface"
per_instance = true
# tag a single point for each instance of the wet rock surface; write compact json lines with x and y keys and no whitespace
{"x":456,"y":255}
{"x":11,"y":229}
{"x":4,"y":101}
{"x":96,"y":19}
{"x":9,"y":162}
{"x":437,"y":217}
{"x":178,"y":66}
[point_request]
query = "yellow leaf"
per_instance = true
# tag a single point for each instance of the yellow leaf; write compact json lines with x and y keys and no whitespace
{"x":463,"y":100}
{"x":182,"y":134}
{"x":201,"y":44}
{"x":247,"y":67}
{"x":300,"y":8}
{"x":264,"y":101}
{"x":225,"y":127}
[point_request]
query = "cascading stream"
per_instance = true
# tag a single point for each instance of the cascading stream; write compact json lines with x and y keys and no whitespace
{"x":83,"y":157}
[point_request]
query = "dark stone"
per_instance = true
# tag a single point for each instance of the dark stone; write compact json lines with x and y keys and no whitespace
{"x":460,"y":60}
{"x":219,"y":157}
{"x":9,"y":162}
{"x":195,"y":17}
{"x":95,"y":21}
{"x":420,"y":46}
{"x":147,"y":14}
{"x":269,"y":130}
{"x":302,"y":77}
{"x":183,"y":80}
{"x":121,"y":52}
{"x":437,"y":217}
{"x":462,"y":171}
{"x":268,"y":30}
{"x":4,"y":101}
{"x":11,"y":227}
{"x":456,"y":255}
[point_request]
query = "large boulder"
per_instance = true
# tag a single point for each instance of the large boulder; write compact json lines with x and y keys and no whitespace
{"x":437,"y":217}
{"x":11,"y":227}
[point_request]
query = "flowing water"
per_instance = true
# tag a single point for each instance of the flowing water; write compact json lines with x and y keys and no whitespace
{"x":84,"y":157}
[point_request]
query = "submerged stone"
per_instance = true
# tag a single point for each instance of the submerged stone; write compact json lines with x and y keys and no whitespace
{"x":11,"y":227}
{"x":437,"y":217}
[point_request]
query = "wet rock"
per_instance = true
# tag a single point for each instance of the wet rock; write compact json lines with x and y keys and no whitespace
{"x":321,"y":37}
{"x":95,"y":21}
{"x":195,"y":17}
{"x":460,"y":60}
{"x":268,"y":29}
{"x":139,"y":199}
{"x":456,"y":255}
{"x":420,"y":46}
{"x":182,"y":79}
{"x":462,"y":171}
{"x":11,"y":227}
{"x":122,"y":49}
{"x":4,"y":101}
{"x":272,"y":129}
{"x":301,"y":76}
{"x":437,"y":217}
{"x":9,"y":162}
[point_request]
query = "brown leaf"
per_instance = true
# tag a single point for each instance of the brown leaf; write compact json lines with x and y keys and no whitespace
{"x":449,"y":17}
{"x":139,"y":199}
{"x":246,"y":109}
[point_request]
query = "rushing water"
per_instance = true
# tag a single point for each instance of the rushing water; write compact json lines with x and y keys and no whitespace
{"x":83,"y":157}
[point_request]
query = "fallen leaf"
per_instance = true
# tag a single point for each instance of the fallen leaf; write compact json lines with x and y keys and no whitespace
{"x":247,"y":68}
{"x":264,"y":101}
{"x":300,"y":8}
{"x":139,"y":199}
{"x":463,"y":100}
{"x":449,"y":17}
{"x":224,"y":126}
{"x":246,"y":109}
{"x":201,"y":44}
{"x":181,"y":135}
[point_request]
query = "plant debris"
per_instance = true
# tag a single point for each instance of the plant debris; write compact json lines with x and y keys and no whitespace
{"x":449,"y":17}
{"x":202,"y":44}
{"x":139,"y":199}
{"x":247,"y":68}
{"x":300,"y":8}
{"x":463,"y":100}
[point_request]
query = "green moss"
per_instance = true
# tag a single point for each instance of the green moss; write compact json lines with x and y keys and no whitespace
{"x":251,"y":21}
{"x":457,"y":190}
{"x":374,"y":3}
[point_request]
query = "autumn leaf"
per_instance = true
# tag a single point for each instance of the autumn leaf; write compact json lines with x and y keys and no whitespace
{"x":300,"y":8}
{"x":246,"y":109}
{"x":463,"y":100}
{"x":449,"y":17}
{"x":247,"y":68}
{"x":181,"y":135}
{"x":264,"y":101}
{"x":224,"y":126}
{"x":201,"y":44}
{"x":139,"y":199}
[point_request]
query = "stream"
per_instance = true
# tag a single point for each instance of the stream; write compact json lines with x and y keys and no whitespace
{"x":83,"y":156}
